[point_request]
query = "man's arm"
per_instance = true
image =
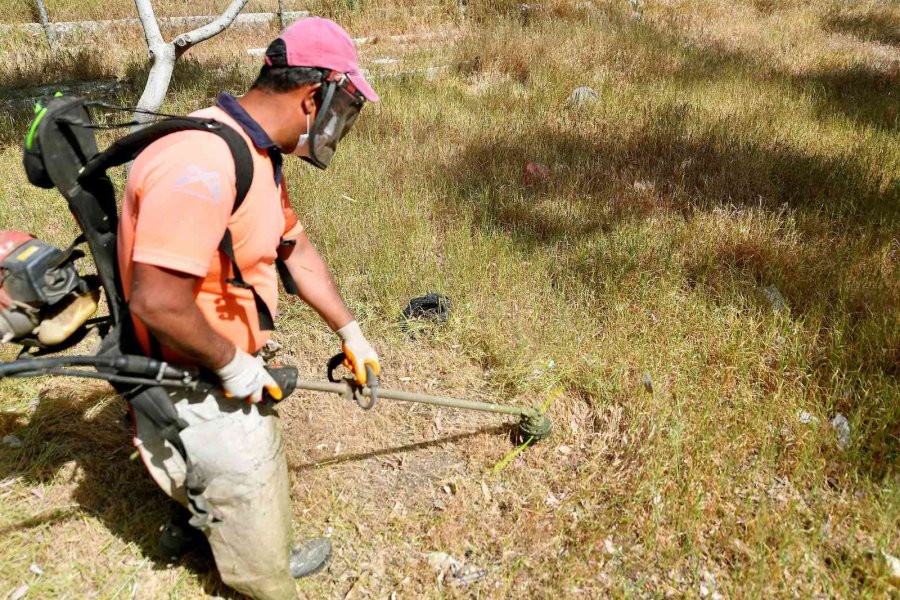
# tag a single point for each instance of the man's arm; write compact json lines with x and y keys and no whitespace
{"x":315,"y":283}
{"x":317,"y":288}
{"x":164,"y":301}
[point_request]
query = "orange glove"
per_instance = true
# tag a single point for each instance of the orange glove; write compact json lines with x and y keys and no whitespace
{"x":359,"y":352}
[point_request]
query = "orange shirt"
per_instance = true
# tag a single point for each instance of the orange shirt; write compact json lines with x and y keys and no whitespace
{"x":178,"y":202}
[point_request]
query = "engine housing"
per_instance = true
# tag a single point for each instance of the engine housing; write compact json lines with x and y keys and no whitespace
{"x":43,"y":299}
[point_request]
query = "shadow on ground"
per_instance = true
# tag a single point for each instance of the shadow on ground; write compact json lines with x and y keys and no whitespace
{"x":866,"y":93}
{"x":874,"y":26}
{"x":680,"y":164}
{"x":86,"y":436}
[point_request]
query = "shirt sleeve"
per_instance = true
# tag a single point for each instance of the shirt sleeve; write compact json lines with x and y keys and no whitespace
{"x":186,"y":193}
{"x":292,"y":225}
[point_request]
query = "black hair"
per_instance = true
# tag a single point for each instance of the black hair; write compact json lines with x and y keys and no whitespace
{"x":280,"y":78}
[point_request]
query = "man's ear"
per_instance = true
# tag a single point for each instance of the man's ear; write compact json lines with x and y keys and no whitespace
{"x":309,"y":97}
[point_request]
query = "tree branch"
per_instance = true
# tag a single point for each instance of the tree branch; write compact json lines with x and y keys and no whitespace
{"x":45,"y":23}
{"x":151,"y":28}
{"x":184,"y":41}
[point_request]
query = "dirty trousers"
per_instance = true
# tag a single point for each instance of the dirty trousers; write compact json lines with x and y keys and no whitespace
{"x":238,"y":450}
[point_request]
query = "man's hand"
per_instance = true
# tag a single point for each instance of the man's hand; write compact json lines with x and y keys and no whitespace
{"x":359,"y":352}
{"x":245,"y":376}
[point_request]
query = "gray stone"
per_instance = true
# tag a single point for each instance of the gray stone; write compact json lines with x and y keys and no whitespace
{"x":774,"y":297}
{"x":583,"y":96}
{"x":12,"y":441}
{"x":842,"y":427}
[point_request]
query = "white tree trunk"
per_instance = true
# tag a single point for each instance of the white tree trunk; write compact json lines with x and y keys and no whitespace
{"x":164,"y":54}
{"x":45,"y":23}
{"x":157,"y":82}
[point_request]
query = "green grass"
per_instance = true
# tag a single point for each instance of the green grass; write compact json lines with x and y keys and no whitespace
{"x":734,"y":147}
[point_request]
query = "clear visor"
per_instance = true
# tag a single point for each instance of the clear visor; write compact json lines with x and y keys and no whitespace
{"x":335,"y":119}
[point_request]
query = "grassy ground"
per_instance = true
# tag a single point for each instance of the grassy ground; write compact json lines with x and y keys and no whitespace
{"x":735,"y":147}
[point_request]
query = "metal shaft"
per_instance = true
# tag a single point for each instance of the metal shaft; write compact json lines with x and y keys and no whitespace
{"x":344,"y":389}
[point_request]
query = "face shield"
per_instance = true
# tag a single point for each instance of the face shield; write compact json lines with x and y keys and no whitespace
{"x":338,"y":102}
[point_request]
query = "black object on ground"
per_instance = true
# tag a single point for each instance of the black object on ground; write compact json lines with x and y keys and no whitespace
{"x":310,"y":558}
{"x":433,"y":307}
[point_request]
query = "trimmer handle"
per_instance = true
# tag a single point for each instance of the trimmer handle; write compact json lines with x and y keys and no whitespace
{"x":333,"y":363}
{"x":371,"y":382}
{"x":286,"y":378}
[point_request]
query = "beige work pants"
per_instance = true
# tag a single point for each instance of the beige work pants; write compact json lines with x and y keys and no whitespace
{"x":238,"y":450}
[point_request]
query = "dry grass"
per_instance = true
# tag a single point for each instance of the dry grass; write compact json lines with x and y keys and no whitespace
{"x":734,"y":147}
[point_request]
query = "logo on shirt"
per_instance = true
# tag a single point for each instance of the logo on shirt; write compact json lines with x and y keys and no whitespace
{"x":205,"y":185}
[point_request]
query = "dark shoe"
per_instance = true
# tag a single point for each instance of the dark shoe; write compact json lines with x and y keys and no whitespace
{"x":310,"y":558}
{"x":177,"y":535}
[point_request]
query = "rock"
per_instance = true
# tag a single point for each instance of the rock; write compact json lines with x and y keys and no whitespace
{"x":583,"y":96}
{"x":648,"y":382}
{"x":893,"y":564}
{"x":564,"y":450}
{"x":468,"y":575}
{"x":12,"y":441}
{"x":842,"y":427}
{"x":709,"y":586}
{"x":443,"y":562}
{"x":34,"y":568}
{"x":458,"y":573}
{"x":637,"y":10}
{"x":535,"y":174}
{"x":806,"y":418}
{"x":774,"y":297}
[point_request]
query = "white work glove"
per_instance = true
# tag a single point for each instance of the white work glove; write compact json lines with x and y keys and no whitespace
{"x":246,"y":377}
{"x":358,"y":351}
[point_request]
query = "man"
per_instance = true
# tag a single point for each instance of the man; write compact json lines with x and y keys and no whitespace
{"x":181,"y":293}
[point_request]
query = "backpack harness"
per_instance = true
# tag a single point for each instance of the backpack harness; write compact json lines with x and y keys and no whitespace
{"x":61,"y":152}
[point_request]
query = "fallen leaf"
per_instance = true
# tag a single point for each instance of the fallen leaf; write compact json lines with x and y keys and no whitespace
{"x":610,"y":547}
{"x":535,"y":173}
{"x":486,"y":492}
{"x":19,"y":592}
{"x":443,"y":562}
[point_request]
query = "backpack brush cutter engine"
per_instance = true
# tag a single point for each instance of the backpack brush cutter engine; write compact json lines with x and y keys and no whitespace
{"x":43,"y":299}
{"x":46,"y":305}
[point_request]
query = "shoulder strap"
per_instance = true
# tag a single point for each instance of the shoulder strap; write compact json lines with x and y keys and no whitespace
{"x":127,"y":148}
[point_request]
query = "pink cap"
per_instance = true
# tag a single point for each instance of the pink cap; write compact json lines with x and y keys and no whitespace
{"x":322,"y":43}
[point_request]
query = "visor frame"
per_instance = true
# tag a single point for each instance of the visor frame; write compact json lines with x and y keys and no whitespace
{"x":334,"y":83}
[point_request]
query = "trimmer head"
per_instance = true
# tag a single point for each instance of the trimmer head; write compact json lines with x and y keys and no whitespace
{"x":534,"y":426}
